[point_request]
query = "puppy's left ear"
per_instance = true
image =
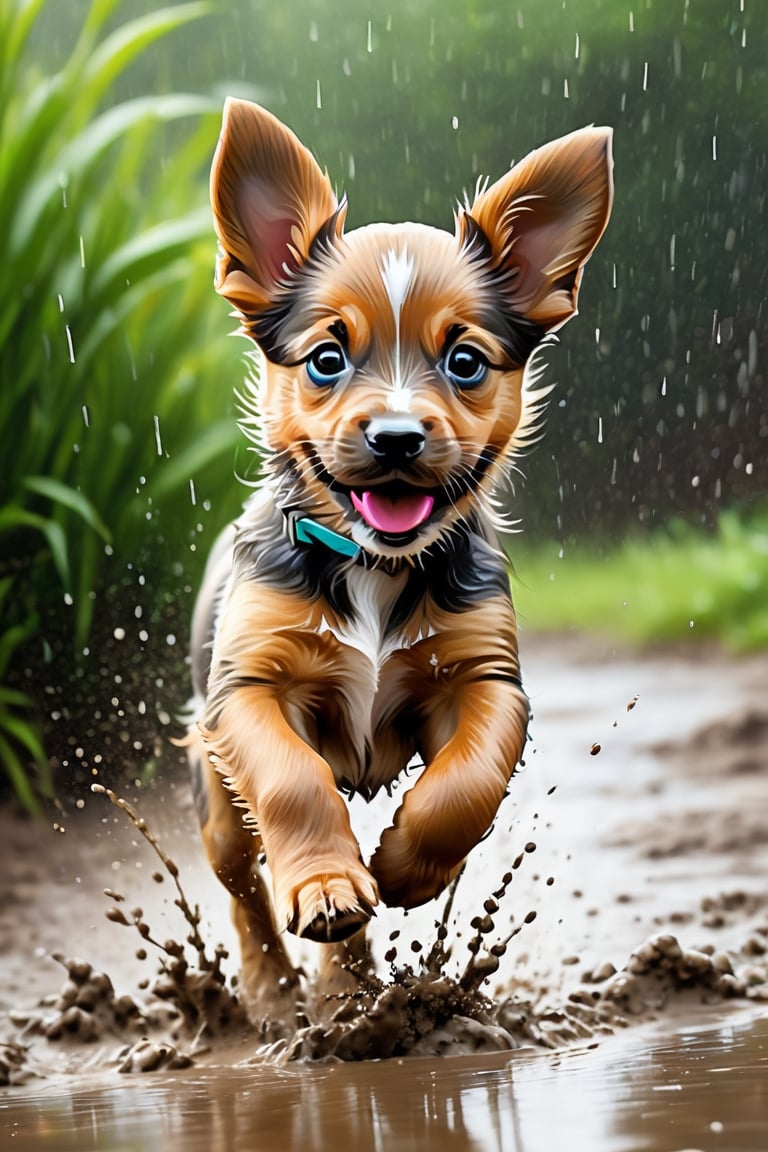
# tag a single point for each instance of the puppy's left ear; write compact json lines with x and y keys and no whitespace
{"x":543,"y":220}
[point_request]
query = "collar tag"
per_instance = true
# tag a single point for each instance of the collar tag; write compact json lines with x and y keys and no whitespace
{"x":308,"y":531}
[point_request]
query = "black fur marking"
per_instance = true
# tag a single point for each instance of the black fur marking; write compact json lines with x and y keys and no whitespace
{"x":265,"y":328}
{"x":506,"y":677}
{"x":476,"y":244}
{"x":266,"y":554}
{"x":521,"y":337}
{"x":456,"y":576}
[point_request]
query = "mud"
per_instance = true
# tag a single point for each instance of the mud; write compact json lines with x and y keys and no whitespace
{"x":622,"y":890}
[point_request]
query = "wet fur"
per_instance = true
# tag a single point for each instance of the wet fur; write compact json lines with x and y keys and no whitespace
{"x":323,"y":674}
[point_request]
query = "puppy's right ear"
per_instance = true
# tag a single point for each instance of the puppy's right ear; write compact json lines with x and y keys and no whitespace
{"x":270,"y":199}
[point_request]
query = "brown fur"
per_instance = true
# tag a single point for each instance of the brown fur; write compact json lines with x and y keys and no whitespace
{"x":327,"y":672}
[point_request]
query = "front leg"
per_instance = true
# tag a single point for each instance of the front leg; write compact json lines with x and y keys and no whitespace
{"x":266,"y":684}
{"x":321,"y":888}
{"x":475,"y":717}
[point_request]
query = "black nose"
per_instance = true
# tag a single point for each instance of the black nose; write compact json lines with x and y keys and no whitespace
{"x":394,"y":443}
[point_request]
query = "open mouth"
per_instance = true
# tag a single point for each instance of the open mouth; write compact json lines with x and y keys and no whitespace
{"x":394,"y":510}
{"x":393,"y":516}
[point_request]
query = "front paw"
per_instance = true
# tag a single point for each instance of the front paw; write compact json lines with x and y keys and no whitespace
{"x":406,"y":875}
{"x":327,"y":907}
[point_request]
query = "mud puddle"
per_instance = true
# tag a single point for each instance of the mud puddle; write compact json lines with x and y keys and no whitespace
{"x":702,"y":1088}
{"x":626,"y":871}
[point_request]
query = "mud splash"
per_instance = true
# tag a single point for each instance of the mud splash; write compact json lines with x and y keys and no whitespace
{"x":544,"y":958}
{"x":190,"y":1011}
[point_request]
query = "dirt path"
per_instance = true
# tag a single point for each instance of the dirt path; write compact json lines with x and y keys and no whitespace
{"x":642,"y":811}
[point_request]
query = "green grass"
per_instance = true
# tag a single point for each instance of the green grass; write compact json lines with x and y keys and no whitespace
{"x":112,"y":343}
{"x":679,"y":582}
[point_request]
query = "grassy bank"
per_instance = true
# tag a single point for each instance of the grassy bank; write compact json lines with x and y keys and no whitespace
{"x":679,"y":582}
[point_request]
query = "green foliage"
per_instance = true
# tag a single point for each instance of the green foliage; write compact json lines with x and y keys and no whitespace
{"x":676,"y":583}
{"x":107,"y":324}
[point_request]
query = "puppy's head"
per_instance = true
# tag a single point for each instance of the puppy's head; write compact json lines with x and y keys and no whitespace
{"x":392,"y":389}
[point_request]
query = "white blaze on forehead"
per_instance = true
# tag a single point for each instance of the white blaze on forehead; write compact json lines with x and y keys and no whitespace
{"x":397,"y":273}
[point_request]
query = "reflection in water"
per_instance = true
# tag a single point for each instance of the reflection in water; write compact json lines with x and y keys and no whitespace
{"x":703,"y":1089}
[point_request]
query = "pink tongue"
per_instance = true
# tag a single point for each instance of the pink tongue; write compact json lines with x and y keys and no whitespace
{"x":395,"y":517}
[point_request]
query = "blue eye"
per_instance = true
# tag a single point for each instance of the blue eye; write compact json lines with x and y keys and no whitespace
{"x":465,"y":366}
{"x":326,"y":365}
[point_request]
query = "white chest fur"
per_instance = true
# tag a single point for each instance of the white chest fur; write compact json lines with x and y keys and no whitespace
{"x":372,"y":595}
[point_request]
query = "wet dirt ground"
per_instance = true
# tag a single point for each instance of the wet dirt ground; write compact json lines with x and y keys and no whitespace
{"x":630,"y":1012}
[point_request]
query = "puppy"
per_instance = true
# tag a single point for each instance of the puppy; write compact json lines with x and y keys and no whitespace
{"x":359,"y":613}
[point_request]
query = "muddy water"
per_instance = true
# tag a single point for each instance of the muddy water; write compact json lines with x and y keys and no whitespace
{"x":704,"y":1088}
{"x":642,"y":812}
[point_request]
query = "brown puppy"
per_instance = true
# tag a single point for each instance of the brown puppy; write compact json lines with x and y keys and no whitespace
{"x":359,"y":612}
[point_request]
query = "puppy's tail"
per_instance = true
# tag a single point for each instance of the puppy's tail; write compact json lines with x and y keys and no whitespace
{"x":197,"y":758}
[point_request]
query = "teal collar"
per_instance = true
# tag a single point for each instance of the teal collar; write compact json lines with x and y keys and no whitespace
{"x":304,"y":530}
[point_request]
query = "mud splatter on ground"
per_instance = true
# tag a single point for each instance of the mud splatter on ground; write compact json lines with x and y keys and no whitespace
{"x":571,"y":923}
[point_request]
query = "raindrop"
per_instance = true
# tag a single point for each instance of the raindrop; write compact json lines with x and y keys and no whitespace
{"x":158,"y":441}
{"x":319,"y":98}
{"x":677,"y":56}
{"x":69,"y":344}
{"x":752,"y":353}
{"x":454,"y":122}
{"x":86,"y":416}
{"x":369,"y":45}
{"x":645,"y":76}
{"x":192,"y":495}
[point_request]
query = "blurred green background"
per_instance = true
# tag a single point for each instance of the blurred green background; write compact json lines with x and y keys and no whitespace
{"x":643,"y":509}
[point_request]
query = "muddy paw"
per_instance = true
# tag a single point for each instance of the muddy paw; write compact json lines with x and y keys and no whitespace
{"x":329,"y":908}
{"x":406,"y":877}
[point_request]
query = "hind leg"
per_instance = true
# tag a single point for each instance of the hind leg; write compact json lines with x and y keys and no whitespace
{"x":269,"y":982}
{"x":342,"y":967}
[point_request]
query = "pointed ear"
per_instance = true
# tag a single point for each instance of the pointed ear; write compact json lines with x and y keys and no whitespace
{"x":270,"y":199}
{"x":543,"y":220}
